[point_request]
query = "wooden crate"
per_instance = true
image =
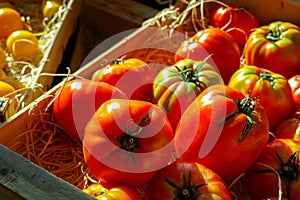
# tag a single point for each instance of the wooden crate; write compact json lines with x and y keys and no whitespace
{"x":131,"y":40}
{"x":53,"y":45}
{"x":12,"y":129}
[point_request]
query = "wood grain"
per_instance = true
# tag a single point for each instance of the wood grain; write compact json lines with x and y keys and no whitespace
{"x":29,"y":181}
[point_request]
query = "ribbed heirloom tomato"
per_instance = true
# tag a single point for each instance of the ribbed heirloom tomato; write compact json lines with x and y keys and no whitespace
{"x":223,"y":130}
{"x":238,"y":22}
{"x":78,"y":100}
{"x":175,"y":87}
{"x":133,"y":76}
{"x":280,"y":158}
{"x":128,"y":141}
{"x":224,"y":51}
{"x":271,"y":89}
{"x":289,"y":128}
{"x":275,"y":47}
{"x":186,"y":181}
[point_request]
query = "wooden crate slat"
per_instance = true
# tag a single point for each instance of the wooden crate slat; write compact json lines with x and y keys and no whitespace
{"x":32,"y":182}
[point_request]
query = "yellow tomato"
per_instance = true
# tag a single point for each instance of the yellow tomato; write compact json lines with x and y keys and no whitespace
{"x":50,"y":7}
{"x":6,"y":90}
{"x":10,"y":21}
{"x":22,"y":44}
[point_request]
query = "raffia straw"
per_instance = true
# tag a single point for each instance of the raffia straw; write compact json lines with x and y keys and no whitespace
{"x":27,"y":70}
{"x":278,"y":177}
{"x":186,"y":16}
{"x":45,"y":144}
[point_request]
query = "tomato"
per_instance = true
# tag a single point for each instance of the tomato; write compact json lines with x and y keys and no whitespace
{"x":224,"y":51}
{"x":128,"y":141}
{"x":294,"y":82}
{"x":223,"y":130}
{"x":175,"y":87}
{"x":282,"y":156}
{"x":238,"y":22}
{"x":7,"y":90}
{"x":186,"y":180}
{"x":133,"y":76}
{"x":2,"y":59}
{"x":274,"y":47}
{"x":78,"y":100}
{"x":271,"y":89}
{"x":50,"y":7}
{"x":290,"y":127}
{"x":10,"y":21}
{"x":22,"y":44}
{"x":110,"y":191}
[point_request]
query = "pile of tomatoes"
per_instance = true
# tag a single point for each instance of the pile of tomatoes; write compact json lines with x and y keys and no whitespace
{"x":227,"y":110}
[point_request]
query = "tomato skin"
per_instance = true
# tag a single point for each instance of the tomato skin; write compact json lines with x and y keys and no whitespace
{"x":261,"y":182}
{"x":268,"y":87}
{"x":217,"y":43}
{"x":180,"y":173}
{"x":175,"y":87}
{"x":128,"y":141}
{"x":78,"y":100}
{"x":274,"y":47}
{"x":294,"y":82}
{"x":289,"y":128}
{"x":110,"y":191}
{"x":132,"y":76}
{"x":231,"y":19}
{"x":220,"y":134}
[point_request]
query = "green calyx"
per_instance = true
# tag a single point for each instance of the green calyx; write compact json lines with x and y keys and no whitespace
{"x":288,"y":171}
{"x":187,"y":190}
{"x":267,"y":76}
{"x":191,"y":75}
{"x":274,"y":36}
{"x":129,"y":141}
{"x":247,"y":106}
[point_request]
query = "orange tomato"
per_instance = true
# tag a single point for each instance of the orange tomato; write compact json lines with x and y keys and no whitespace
{"x":2,"y":58}
{"x":10,"y":21}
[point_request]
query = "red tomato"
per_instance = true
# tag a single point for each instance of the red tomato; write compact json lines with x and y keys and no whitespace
{"x":78,"y":100}
{"x":128,"y":141}
{"x":132,"y":76}
{"x":224,"y":51}
{"x":223,"y":130}
{"x":186,"y":180}
{"x":282,"y":156}
{"x":294,"y":82}
{"x":110,"y":191}
{"x":289,"y":128}
{"x":238,"y":22}
{"x":274,"y":47}
{"x":271,"y":89}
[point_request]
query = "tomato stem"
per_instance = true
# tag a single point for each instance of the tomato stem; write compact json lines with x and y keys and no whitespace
{"x":274,"y":36}
{"x":267,"y":76}
{"x":246,"y":106}
{"x":288,"y":171}
{"x":187,"y":190}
